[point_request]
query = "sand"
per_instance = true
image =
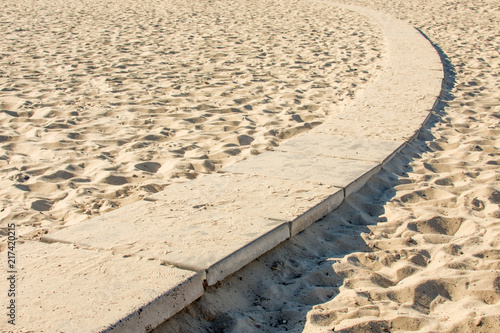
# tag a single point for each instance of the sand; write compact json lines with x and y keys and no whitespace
{"x":418,"y":248}
{"x":103,"y":103}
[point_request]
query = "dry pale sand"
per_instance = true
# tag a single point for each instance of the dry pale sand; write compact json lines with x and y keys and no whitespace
{"x":418,"y":249}
{"x":105,"y":102}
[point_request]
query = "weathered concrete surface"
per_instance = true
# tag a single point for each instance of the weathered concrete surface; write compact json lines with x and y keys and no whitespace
{"x":348,"y":147}
{"x":61,"y":288}
{"x":396,"y":104}
{"x":201,"y":225}
{"x":333,"y":171}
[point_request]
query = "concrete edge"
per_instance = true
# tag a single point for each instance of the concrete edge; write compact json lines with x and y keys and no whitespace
{"x":246,"y":254}
{"x":317,"y":212}
{"x":154,"y":313}
{"x":357,"y":184}
{"x":394,"y":153}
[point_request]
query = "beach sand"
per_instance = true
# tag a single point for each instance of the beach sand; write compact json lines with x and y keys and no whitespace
{"x":103,"y":103}
{"x":418,"y":249}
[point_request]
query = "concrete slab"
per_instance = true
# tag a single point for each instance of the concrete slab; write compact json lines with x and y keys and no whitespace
{"x":403,"y":42}
{"x":377,"y":124}
{"x":395,"y":105}
{"x":61,"y":288}
{"x":346,"y":147}
{"x":394,"y":117}
{"x":333,"y":171}
{"x":202,"y":224}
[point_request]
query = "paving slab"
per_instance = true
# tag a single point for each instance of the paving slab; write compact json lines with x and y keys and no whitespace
{"x":391,"y":117}
{"x":217,"y":223}
{"x":61,"y":288}
{"x":398,"y":101}
{"x":376,"y":121}
{"x":342,"y":173}
{"x":407,"y":47}
{"x":345,"y":147}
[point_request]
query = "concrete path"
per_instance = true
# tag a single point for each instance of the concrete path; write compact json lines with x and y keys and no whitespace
{"x":133,"y":268}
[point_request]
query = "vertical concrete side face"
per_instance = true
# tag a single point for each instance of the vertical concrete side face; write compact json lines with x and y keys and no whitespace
{"x":316,"y":213}
{"x":246,"y":254}
{"x":357,"y":184}
{"x":162,"y":308}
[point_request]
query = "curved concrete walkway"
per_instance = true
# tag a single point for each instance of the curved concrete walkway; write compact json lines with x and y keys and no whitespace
{"x":133,"y":268}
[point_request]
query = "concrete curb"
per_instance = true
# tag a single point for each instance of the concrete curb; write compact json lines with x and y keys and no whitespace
{"x":208,"y":228}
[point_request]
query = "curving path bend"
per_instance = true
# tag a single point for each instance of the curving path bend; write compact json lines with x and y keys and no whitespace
{"x":131,"y":269}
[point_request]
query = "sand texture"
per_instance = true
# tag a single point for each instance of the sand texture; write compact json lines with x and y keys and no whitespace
{"x":105,"y":102}
{"x":418,"y":248}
